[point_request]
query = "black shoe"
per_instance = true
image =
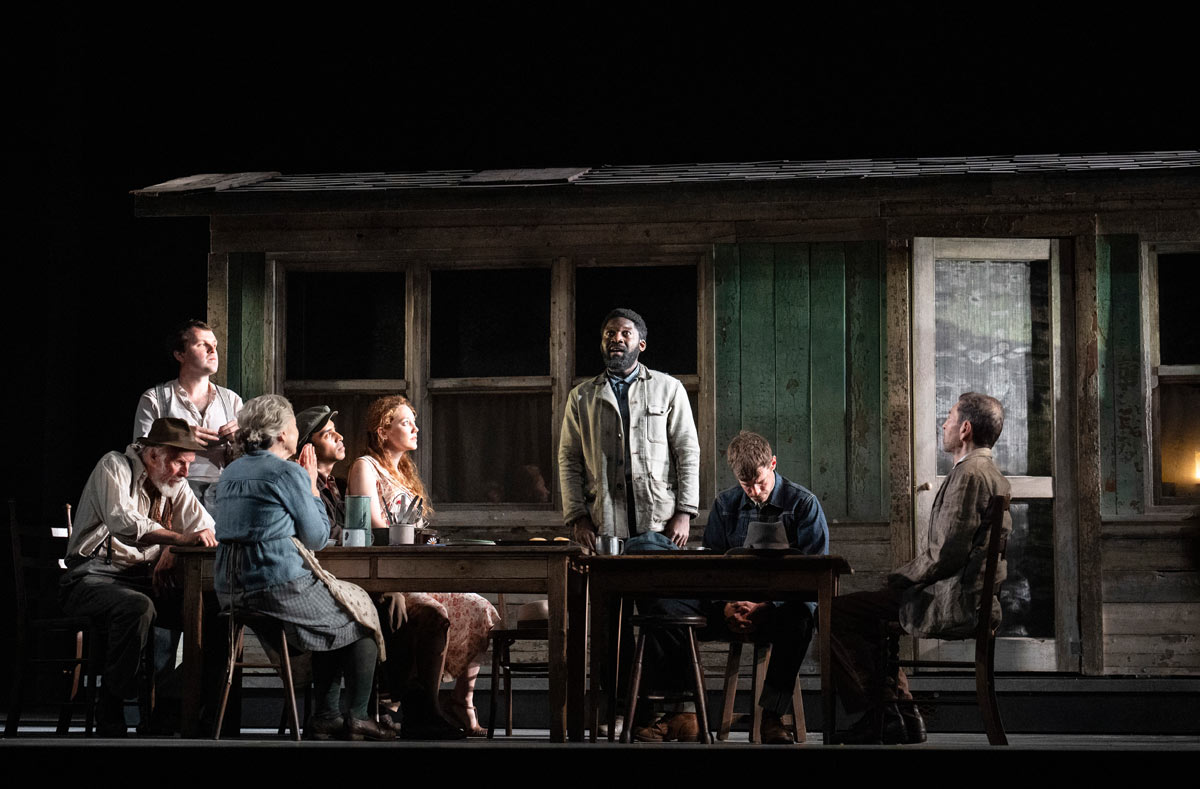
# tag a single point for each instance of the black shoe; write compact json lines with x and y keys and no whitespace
{"x":324,"y":728}
{"x":366,"y":729}
{"x":110,"y":717}
{"x":914,"y":724}
{"x":386,"y":720}
{"x":865,"y":732}
{"x":429,"y":725}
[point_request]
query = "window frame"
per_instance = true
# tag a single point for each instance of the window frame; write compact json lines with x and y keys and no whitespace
{"x":422,"y":390}
{"x":1014,"y":653}
{"x":1154,"y":373}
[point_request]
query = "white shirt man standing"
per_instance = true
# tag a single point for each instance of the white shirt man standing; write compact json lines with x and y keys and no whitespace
{"x":210,"y":410}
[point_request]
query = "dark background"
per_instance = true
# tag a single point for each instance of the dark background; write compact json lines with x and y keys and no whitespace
{"x":102,"y":104}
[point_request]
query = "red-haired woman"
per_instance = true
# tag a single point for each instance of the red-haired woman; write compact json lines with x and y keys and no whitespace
{"x":388,"y":475}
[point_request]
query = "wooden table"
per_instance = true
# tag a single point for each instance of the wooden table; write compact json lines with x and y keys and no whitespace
{"x":534,"y":569}
{"x":687,"y":574}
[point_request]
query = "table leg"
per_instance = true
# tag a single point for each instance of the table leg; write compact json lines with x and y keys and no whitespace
{"x":598,"y":650}
{"x":612,"y":671}
{"x":557,"y":594}
{"x":193,"y":663}
{"x":577,"y":630}
{"x":828,"y":697}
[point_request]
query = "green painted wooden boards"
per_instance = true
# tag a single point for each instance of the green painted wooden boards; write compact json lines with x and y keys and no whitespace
{"x":800,"y":338}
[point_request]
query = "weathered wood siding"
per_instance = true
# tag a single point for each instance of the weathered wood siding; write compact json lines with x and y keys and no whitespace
{"x":800,"y":343}
{"x":1151,"y":582}
{"x":1150,"y":569}
{"x":1122,"y":410}
{"x":244,"y":355}
{"x":800,"y":333}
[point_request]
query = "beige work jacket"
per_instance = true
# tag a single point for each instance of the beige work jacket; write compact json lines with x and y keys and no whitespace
{"x":663,"y":449}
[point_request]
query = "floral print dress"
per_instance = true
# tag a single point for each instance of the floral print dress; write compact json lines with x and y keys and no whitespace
{"x":471,"y":616}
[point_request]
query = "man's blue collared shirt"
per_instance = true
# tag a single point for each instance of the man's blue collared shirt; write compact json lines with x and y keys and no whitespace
{"x":799,"y":512}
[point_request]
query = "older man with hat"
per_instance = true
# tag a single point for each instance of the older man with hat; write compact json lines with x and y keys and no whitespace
{"x":135,"y":507}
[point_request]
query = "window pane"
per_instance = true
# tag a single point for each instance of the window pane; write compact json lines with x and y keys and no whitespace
{"x":491,"y":448}
{"x":993,"y":336}
{"x":1027,"y":596}
{"x":665,"y":296}
{"x":350,"y":420}
{"x":1178,"y":284}
{"x":490,"y":323}
{"x":1179,"y":438}
{"x":345,"y":324}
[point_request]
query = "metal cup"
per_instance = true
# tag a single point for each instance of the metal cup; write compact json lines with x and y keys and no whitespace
{"x":402,"y":534}
{"x":354,"y":538}
{"x":608,"y":545}
{"x":358,"y":512}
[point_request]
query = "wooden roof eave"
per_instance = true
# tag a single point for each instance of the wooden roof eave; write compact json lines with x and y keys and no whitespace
{"x":1033,"y":189}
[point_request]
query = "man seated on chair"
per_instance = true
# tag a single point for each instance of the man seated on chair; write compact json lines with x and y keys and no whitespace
{"x":134,"y":508}
{"x":934,"y":595}
{"x":416,"y":641}
{"x":761,"y":494}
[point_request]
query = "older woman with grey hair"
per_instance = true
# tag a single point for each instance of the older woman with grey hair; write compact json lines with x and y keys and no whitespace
{"x":268,"y":514}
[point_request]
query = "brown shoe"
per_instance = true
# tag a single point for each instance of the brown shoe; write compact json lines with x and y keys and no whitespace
{"x":679,"y":727}
{"x":773,"y":731}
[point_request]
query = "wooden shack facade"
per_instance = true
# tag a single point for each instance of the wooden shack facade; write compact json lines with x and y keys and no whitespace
{"x":838,"y":308}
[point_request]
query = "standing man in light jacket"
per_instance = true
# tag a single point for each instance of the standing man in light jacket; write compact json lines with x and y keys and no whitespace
{"x":628,"y":458}
{"x":210,"y":410}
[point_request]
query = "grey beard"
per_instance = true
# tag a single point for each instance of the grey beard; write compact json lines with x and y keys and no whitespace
{"x":169,"y":489}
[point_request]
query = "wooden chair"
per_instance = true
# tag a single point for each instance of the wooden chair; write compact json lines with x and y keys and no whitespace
{"x":266,"y":628}
{"x":36,"y":558}
{"x":504,"y":667}
{"x":645,"y":625}
{"x":985,"y":635}
{"x":762,"y":657}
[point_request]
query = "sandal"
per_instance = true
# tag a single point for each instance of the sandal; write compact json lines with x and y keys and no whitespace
{"x":465,"y":715}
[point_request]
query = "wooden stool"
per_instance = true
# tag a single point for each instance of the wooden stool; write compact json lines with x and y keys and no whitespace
{"x":762,"y":657}
{"x":647,"y":624}
{"x":264,"y":626}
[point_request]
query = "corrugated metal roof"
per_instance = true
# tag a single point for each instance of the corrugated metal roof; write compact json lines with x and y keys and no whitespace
{"x":705,"y":172}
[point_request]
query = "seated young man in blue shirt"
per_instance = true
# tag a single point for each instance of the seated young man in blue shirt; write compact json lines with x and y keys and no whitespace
{"x":761,"y":494}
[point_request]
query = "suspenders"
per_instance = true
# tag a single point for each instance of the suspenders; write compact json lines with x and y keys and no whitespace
{"x":222,"y":395}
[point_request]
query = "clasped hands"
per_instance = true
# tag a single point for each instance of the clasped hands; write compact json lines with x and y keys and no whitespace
{"x":744,"y":617}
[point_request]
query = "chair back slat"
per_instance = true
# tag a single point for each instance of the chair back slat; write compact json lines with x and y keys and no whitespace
{"x":37,"y":553}
{"x":993,"y":519}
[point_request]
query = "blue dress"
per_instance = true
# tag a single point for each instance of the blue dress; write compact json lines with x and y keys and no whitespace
{"x":262,"y":502}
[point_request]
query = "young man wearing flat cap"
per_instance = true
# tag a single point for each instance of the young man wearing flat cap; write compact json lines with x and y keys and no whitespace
{"x":316,"y":427}
{"x":135,"y":506}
